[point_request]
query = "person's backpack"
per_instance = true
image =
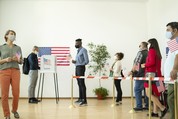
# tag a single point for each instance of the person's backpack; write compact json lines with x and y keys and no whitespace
{"x":26,"y":66}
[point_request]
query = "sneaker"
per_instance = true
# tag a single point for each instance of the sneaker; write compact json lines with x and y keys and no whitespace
{"x":145,"y":108}
{"x":120,"y":102}
{"x":32,"y":101}
{"x":153,"y":114}
{"x":81,"y":104}
{"x":7,"y":118}
{"x":78,"y":101}
{"x":163,"y":113}
{"x":117,"y":103}
{"x":36,"y":100}
{"x":16,"y":114}
{"x":137,"y":109}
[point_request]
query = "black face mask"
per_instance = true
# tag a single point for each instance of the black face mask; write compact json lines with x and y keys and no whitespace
{"x":77,"y":46}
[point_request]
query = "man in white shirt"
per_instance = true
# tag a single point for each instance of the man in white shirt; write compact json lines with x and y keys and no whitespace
{"x":171,"y":65}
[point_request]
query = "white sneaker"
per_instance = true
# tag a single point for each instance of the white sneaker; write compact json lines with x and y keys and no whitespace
{"x":7,"y":118}
{"x":117,"y":103}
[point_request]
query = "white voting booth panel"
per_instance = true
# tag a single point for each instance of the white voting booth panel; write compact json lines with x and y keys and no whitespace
{"x":48,"y":64}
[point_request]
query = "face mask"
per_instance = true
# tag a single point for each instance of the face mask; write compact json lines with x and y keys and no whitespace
{"x":168,"y":35}
{"x":77,"y":46}
{"x":36,"y":52}
{"x":115,"y":57}
{"x":140,"y":48}
{"x":11,"y":37}
{"x":149,"y":45}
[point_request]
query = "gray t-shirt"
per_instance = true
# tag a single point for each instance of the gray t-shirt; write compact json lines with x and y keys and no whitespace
{"x":5,"y":52}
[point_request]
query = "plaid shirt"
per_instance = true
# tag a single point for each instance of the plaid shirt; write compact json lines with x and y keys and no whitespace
{"x":138,"y":58}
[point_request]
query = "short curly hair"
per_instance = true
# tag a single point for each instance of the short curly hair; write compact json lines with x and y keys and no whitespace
{"x":120,"y":55}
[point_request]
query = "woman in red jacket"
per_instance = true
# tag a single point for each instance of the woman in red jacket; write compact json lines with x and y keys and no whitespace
{"x":153,"y":64}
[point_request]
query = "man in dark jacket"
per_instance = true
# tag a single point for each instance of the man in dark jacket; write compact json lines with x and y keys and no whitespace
{"x":33,"y":74}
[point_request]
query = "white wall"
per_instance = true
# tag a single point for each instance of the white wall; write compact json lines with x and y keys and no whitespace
{"x":119,"y":25}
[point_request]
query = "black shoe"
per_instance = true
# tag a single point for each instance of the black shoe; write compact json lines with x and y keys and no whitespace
{"x":163,"y":113}
{"x":137,"y":109}
{"x":36,"y":100}
{"x":145,"y":108}
{"x":153,"y":114}
{"x":33,"y":101}
{"x":81,"y":104}
{"x":78,"y":101}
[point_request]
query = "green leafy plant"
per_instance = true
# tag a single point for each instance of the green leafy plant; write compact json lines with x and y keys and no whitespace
{"x":99,"y":56}
{"x":101,"y":92}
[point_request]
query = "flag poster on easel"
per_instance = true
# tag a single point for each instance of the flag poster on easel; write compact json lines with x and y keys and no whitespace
{"x":48,"y":63}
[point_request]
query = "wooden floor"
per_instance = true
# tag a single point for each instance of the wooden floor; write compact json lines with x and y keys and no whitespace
{"x":96,"y":109}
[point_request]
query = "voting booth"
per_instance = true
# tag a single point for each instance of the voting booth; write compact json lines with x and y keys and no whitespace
{"x":48,"y":65}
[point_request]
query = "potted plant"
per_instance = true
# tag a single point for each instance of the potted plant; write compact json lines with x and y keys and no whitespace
{"x":101,"y":93}
{"x":99,"y":56}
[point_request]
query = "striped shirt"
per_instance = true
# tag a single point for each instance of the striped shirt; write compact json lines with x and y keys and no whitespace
{"x":138,"y":58}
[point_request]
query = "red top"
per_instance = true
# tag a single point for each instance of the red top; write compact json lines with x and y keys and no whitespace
{"x":153,"y":63}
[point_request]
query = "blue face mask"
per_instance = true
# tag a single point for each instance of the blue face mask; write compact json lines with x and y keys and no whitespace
{"x":169,"y":35}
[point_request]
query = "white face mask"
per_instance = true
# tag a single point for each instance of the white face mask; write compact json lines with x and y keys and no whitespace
{"x":149,"y":45}
{"x":115,"y":57}
{"x":11,"y":37}
{"x":36,"y":52}
{"x":140,"y":47}
{"x":169,"y":35}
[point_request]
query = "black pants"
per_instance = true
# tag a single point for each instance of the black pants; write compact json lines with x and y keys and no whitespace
{"x":80,"y":71}
{"x":119,"y":90}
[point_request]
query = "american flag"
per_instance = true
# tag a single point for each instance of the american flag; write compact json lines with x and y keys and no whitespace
{"x":61,"y":54}
{"x":18,"y":55}
{"x":173,"y":45}
{"x":47,"y":61}
{"x":160,"y":86}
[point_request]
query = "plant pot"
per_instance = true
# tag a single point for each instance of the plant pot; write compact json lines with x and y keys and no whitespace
{"x":100,"y":97}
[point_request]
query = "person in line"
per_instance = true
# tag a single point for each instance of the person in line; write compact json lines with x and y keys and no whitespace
{"x":171,"y":66}
{"x":117,"y":72}
{"x":10,"y":58}
{"x":138,"y":71}
{"x":33,"y":75}
{"x":153,"y":64}
{"x":80,"y":62}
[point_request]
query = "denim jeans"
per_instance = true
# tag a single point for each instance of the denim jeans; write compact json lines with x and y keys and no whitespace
{"x":139,"y":87}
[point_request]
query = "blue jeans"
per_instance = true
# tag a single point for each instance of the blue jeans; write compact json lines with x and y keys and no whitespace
{"x":139,"y":87}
